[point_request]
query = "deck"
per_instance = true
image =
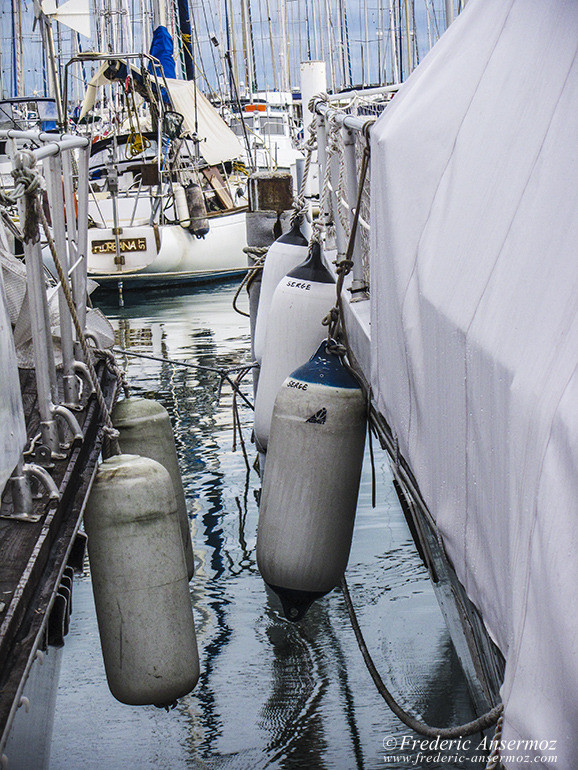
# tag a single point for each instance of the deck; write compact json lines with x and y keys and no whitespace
{"x":34,"y":589}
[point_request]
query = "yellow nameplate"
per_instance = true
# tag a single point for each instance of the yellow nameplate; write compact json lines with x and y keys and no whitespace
{"x":125,"y":244}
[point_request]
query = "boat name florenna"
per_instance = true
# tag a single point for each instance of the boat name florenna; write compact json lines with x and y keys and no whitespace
{"x":125,"y":244}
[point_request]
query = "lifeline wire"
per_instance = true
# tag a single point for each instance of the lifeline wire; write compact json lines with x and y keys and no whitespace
{"x":224,"y":374}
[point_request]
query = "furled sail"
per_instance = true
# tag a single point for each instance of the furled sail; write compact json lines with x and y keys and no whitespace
{"x":162,"y":49}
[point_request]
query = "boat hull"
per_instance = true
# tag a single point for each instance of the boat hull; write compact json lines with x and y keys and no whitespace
{"x":169,"y":253}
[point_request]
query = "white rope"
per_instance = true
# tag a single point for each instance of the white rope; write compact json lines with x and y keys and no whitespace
{"x":341,"y":193}
{"x":322,"y":222}
{"x":299,"y":201}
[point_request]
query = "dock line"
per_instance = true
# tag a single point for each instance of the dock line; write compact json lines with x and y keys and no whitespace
{"x":224,"y":374}
{"x":460,"y":731}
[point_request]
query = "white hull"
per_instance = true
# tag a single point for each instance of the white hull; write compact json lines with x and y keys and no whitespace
{"x":169,"y":252}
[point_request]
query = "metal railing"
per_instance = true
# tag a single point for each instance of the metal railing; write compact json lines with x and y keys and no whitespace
{"x":343,"y":123}
{"x":43,"y":160}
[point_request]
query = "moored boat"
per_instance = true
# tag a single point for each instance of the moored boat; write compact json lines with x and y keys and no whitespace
{"x":51,"y":440}
{"x":160,"y":209}
{"x":460,"y":316}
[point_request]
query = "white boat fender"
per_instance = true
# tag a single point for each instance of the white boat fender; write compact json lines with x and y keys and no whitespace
{"x":285,"y":254}
{"x":199,"y":226}
{"x":139,"y":581}
{"x":145,"y":429}
{"x":311,"y":482}
{"x":294,"y":331}
{"x":181,"y":205}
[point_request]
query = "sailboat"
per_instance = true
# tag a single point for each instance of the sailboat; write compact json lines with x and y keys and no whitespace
{"x":160,"y":207}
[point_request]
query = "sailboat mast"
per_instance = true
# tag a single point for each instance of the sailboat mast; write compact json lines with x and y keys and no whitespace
{"x":341,"y":46}
{"x":321,"y":40}
{"x":233,"y":45}
{"x":285,"y":44}
{"x":254,"y":85}
{"x":366,"y":21}
{"x":393,"y":41}
{"x":245,"y":47}
{"x":346,"y":24}
{"x":273,"y":64}
{"x":329,"y":24}
{"x":186,"y":38}
{"x":408,"y":39}
{"x":17,"y":40}
{"x":53,"y":80}
{"x":126,"y":29}
{"x":159,"y":14}
{"x":307,"y":32}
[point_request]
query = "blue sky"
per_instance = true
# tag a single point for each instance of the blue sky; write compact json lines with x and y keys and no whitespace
{"x":365,"y":51}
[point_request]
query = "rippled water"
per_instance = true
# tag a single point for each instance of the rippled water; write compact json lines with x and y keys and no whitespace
{"x":271,"y":694}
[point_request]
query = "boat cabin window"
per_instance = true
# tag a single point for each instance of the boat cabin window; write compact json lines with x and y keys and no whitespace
{"x":272,"y":124}
{"x":237,"y":126}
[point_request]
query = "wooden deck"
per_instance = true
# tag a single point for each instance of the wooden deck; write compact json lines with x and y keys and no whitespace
{"x":34,"y":556}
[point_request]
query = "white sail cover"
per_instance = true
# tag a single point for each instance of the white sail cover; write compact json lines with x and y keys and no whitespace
{"x":218,"y":142}
{"x":474,"y":292}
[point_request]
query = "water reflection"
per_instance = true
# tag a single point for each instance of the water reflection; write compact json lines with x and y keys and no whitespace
{"x":271,"y":694}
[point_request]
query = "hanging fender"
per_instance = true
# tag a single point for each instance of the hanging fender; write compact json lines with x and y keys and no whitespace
{"x":140,"y":584}
{"x":311,"y":482}
{"x":284,"y":255}
{"x":294,"y":331}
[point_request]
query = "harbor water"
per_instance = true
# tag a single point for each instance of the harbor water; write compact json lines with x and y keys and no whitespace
{"x":272,"y":694}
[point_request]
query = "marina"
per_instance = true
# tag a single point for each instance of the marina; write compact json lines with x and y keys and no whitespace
{"x":289,"y":373}
{"x":271,"y":693}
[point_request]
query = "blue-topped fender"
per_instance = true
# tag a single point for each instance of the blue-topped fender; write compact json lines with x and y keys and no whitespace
{"x":325,"y":368}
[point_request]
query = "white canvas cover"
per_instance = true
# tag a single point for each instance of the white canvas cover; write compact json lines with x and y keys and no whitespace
{"x":474,"y":297}
{"x":13,"y":432}
{"x":218,"y":143}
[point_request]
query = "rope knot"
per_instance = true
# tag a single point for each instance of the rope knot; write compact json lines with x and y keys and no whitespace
{"x":323,"y":97}
{"x":27,"y":183}
{"x":344,"y":266}
{"x":112,"y":434}
{"x":256,"y":251}
{"x":336,"y":348}
{"x":299,"y":207}
{"x":331,"y":318}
